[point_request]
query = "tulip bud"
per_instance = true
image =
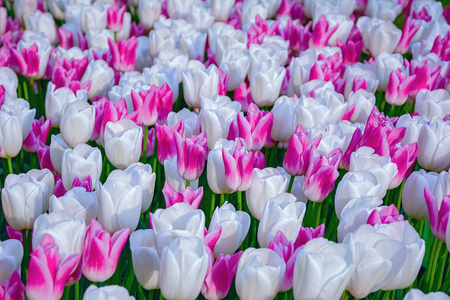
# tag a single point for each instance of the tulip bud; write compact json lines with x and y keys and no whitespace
{"x":78,"y":114}
{"x":106,"y":292}
{"x":146,"y":261}
{"x":11,"y":254}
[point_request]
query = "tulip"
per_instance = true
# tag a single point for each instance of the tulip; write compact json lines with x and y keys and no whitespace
{"x":321,"y":175}
{"x":98,"y":38}
{"x":174,"y":178}
{"x":123,"y":143}
{"x":42,"y":22}
{"x":236,"y":63}
{"x":266,"y":183}
{"x":93,"y":17}
{"x":432,"y":103}
{"x":114,"y":17}
{"x":191,"y":122}
{"x":38,"y":134}
{"x":191,"y":155}
{"x":322,"y":32}
{"x":24,"y":8}
{"x":80,"y":115}
{"x":433,"y":139}
{"x":385,"y":64}
{"x":101,"y":77}
{"x":142,"y":60}
{"x":11,"y":254}
{"x":217,"y":114}
{"x":159,"y":74}
{"x":81,"y":161}
{"x":281,"y":214}
{"x":418,"y":294}
{"x":101,"y":251}
{"x":21,"y":109}
{"x":370,"y":258}
{"x":48,"y":272}
{"x":166,"y":140}
{"x":11,"y":135}
{"x":55,"y":98}
{"x":399,"y":87}
{"x":403,"y":232}
{"x":323,"y":269}
{"x":32,"y":55}
{"x":183,"y":268}
{"x":199,"y":82}
{"x":363,"y":102}
{"x":13,"y":288}
{"x":119,"y":205}
{"x":193,"y":43}
{"x":265,"y":82}
{"x":438,"y":214}
{"x":146,"y":261}
{"x":23,"y":200}
{"x":149,"y":11}
{"x":234,"y":225}
{"x":307,"y":234}
{"x":378,"y":35}
{"x":298,"y":153}
{"x":259,"y":274}
{"x":161,"y":39}
{"x":124,"y":54}
{"x":256,"y":129}
{"x":78,"y":202}
{"x":188,"y":195}
{"x":106,"y":292}
{"x":219,"y":276}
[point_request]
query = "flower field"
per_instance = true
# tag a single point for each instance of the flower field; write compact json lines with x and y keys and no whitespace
{"x":224,"y":149}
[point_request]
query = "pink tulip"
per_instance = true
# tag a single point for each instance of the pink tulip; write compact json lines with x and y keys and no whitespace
{"x":410,"y":28}
{"x":13,"y":288}
{"x":65,"y":38}
{"x":68,"y":73}
{"x":296,"y":160}
{"x":219,"y":276}
{"x":144,"y":104}
{"x":223,"y":83}
{"x":43,"y":152}
{"x":321,"y":174}
{"x":28,"y":61}
{"x":188,"y":195}
{"x":399,"y":87}
{"x":404,"y":157}
{"x":292,"y":9}
{"x":441,"y":46}
{"x":211,"y":238}
{"x":385,"y":215}
{"x":191,"y":155}
{"x":137,"y":30}
{"x":243,"y":96}
{"x":260,"y":29}
{"x":322,"y":33}
{"x":439,"y":214}
{"x":352,"y":49}
{"x":101,"y":252}
{"x":298,"y":35}
{"x":124,"y":54}
{"x":238,"y":167}
{"x":165,"y":135}
{"x":307,"y":234}
{"x":288,"y":252}
{"x":85,"y":183}
{"x":107,"y":111}
{"x":47,"y":275}
{"x":446,"y":14}
{"x":255,"y":129}
{"x":39,"y":132}
{"x":114,"y":17}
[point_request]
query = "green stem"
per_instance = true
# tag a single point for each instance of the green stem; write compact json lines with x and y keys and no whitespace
{"x":26,"y":254}
{"x":254,"y":231}
{"x":435,"y":260}
{"x":239,"y":200}
{"x":222,"y":199}
{"x":10,"y":168}
{"x":77,"y":290}
{"x":144,"y":155}
{"x":188,"y":184}
{"x":440,"y":271}
{"x":399,"y":199}
{"x":430,"y":271}
{"x":291,"y":183}
{"x":213,"y":205}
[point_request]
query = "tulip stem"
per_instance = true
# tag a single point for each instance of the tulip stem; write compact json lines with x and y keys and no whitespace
{"x":399,"y":200}
{"x":222,"y":199}
{"x":188,"y":184}
{"x":291,"y":183}
{"x":213,"y":205}
{"x":26,"y":254}
{"x":10,"y":168}
{"x":434,"y":263}
{"x":440,"y":270}
{"x":144,"y":154}
{"x":239,"y":200}
{"x":77,"y":290}
{"x":430,"y":268}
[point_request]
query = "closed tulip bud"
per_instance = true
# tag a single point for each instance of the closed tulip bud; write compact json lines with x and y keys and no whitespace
{"x":93,"y":17}
{"x":431,"y":104}
{"x":188,"y":195}
{"x":363,"y":102}
{"x":184,"y":263}
{"x":49,"y":271}
{"x":161,"y":39}
{"x":24,"y":8}
{"x":284,"y":118}
{"x":371,"y":259}
{"x":11,"y":135}
{"x":149,"y":11}
{"x":56,"y":98}
{"x":265,"y":82}
{"x":13,"y":288}
{"x":199,"y":82}
{"x":385,"y":64}
{"x":81,"y":161}
{"x":77,"y":202}
{"x":217,"y":114}
{"x":21,"y":109}
{"x":191,"y":154}
{"x":107,"y":292}
{"x":266,"y":183}
{"x":123,"y":143}
{"x":101,"y":77}
{"x":57,"y":148}
{"x":42,"y":22}
{"x":119,"y":205}
{"x":236,"y":63}
{"x":11,"y":254}
{"x":78,"y":114}
{"x":221,"y":9}
{"x":259,"y":274}
{"x":438,"y":214}
{"x":146,"y":261}
{"x":332,"y":266}
{"x":173,"y":177}
{"x":193,"y":44}
{"x":235,"y":226}
{"x":415,"y":250}
{"x":281,"y":214}
{"x":418,"y":294}
{"x":378,"y":35}
{"x":101,"y":251}
{"x":433,"y":140}
{"x":24,"y":199}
